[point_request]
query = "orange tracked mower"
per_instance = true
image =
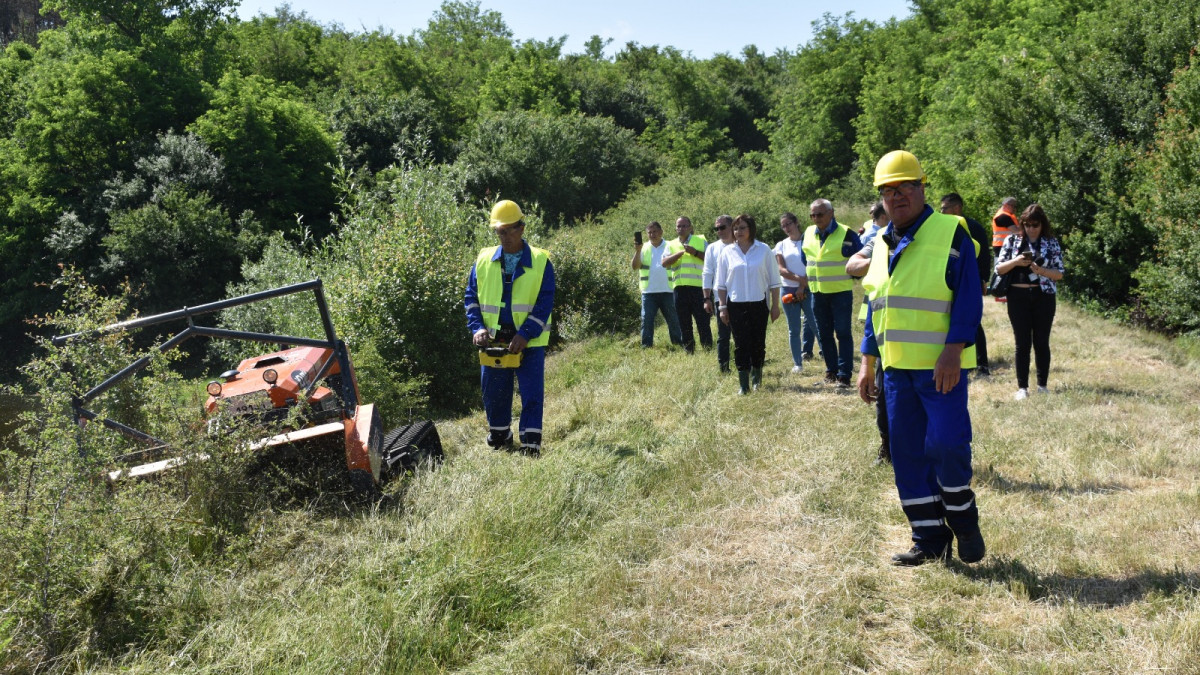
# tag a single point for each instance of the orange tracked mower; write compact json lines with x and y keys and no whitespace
{"x":309,"y":386}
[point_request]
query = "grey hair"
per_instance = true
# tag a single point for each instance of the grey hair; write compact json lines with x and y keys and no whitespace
{"x":825,"y":203}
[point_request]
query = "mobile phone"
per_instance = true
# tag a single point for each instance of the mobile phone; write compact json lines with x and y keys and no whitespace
{"x":637,"y":237}
{"x":1028,"y":255}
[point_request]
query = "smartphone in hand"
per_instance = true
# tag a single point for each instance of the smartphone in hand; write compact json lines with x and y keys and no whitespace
{"x":637,"y":237}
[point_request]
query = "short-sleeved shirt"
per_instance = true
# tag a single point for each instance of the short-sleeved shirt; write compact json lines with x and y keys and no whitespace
{"x":793,"y":259}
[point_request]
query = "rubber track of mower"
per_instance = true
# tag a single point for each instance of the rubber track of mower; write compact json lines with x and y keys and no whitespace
{"x":404,"y":448}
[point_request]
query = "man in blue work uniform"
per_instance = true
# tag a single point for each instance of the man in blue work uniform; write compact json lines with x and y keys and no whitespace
{"x":922,"y":324}
{"x":510,"y":293}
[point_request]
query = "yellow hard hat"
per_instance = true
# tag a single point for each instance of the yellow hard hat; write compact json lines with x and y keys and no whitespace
{"x":506,"y":212}
{"x":897,"y":166}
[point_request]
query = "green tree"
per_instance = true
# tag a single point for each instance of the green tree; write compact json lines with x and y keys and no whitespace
{"x":277,"y":151}
{"x":570,"y":165}
{"x":811,"y":127}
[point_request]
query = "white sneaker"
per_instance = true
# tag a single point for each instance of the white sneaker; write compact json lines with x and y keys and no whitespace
{"x":1021,"y":394}
{"x":796,"y":370}
{"x":1043,"y":390}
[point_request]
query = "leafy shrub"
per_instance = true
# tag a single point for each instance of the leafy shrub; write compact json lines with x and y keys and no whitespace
{"x":571,"y":165}
{"x":87,"y":567}
{"x":593,"y":296}
{"x":1168,"y":292}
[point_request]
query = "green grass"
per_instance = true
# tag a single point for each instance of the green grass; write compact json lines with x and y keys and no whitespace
{"x":672,"y":526}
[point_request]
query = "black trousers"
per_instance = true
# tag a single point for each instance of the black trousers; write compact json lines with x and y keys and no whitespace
{"x":1031,"y":313}
{"x":981,"y":359}
{"x":689,"y":305}
{"x":748,"y":323}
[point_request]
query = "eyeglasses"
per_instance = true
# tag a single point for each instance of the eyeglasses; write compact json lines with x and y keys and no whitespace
{"x":1032,"y":224}
{"x":721,"y":228}
{"x":906,"y":188}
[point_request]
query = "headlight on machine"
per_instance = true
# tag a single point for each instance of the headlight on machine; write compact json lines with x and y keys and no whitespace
{"x":270,"y":376}
{"x":214,"y":388}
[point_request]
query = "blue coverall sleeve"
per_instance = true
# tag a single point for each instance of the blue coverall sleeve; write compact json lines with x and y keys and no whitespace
{"x":851,"y":244}
{"x":536,"y":321}
{"x":962,"y":276}
{"x":471,"y":304}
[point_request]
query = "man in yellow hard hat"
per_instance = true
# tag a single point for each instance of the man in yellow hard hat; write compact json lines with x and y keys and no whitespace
{"x":921,"y":322}
{"x":509,"y":297}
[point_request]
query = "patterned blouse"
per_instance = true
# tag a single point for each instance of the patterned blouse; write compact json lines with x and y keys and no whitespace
{"x":1046,"y":252}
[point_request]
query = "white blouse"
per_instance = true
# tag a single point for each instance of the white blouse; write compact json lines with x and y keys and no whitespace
{"x":749,"y":276}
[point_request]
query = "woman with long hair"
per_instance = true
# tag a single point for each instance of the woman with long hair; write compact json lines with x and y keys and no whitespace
{"x":746,"y":274}
{"x":1034,"y":255}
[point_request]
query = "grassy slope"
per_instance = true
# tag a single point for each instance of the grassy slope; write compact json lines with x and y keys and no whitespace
{"x":673,"y":525}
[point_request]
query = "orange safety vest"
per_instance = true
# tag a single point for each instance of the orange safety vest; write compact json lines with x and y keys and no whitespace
{"x":999,"y":232}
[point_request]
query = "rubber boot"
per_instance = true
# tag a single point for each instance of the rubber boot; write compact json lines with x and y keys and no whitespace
{"x":743,"y":382}
{"x":755,"y":378}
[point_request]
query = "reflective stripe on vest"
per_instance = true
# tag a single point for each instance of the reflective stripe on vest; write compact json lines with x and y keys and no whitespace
{"x":489,"y":277}
{"x":999,"y":232}
{"x":644,"y":270}
{"x":910,"y":310}
{"x":688,"y":270}
{"x":826,"y":268}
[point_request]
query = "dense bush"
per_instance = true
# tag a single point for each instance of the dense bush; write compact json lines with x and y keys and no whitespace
{"x":88,"y":568}
{"x":570,"y":165}
{"x":1169,"y":284}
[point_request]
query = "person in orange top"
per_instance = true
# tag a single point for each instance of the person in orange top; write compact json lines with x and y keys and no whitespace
{"x":1004,"y":223}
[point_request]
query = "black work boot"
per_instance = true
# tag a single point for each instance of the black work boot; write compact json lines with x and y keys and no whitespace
{"x":918,"y":556}
{"x":498,"y":439}
{"x":885,"y":454}
{"x":743,"y":382}
{"x":971,"y":548}
{"x":755,"y":378}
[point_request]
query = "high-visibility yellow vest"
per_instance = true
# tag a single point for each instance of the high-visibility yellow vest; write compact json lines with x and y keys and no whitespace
{"x":489,"y":278}
{"x":644,"y":271}
{"x":688,"y":270}
{"x":910,"y":310}
{"x":871,"y":283}
{"x":826,"y":266}
{"x":999,"y":232}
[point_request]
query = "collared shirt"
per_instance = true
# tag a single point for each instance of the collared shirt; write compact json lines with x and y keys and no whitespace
{"x":541,"y":308}
{"x":850,"y":245}
{"x":659,"y":281}
{"x":749,"y":276}
{"x":793,"y":259}
{"x":712,"y":254}
{"x":1045,"y":249}
{"x":966,"y":309}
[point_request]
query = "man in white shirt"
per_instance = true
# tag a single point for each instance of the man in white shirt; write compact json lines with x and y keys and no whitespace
{"x":724,"y":229}
{"x":656,"y":286}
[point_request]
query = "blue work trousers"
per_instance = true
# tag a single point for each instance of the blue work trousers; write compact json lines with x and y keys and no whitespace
{"x":652,"y":304}
{"x":930,"y":439}
{"x":497,"y":385}
{"x":793,"y":311}
{"x":833,"y":311}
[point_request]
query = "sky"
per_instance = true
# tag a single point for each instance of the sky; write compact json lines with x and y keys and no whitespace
{"x":702,"y":27}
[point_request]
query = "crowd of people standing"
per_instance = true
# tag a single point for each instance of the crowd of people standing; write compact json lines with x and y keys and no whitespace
{"x":923,"y":273}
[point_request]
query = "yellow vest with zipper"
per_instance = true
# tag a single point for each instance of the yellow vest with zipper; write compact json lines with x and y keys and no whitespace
{"x":489,"y":279}
{"x":910,"y":310}
{"x":688,"y":270}
{"x":826,"y":266}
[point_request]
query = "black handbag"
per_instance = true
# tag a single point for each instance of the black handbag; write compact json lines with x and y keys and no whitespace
{"x":1000,"y":283}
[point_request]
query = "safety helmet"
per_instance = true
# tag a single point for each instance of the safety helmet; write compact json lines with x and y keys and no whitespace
{"x":506,"y":212}
{"x":897,"y":166}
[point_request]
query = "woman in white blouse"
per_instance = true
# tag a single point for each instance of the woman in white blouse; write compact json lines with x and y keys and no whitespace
{"x":746,"y":274}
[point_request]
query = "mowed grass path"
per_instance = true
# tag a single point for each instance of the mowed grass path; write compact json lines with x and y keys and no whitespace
{"x":672,"y":526}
